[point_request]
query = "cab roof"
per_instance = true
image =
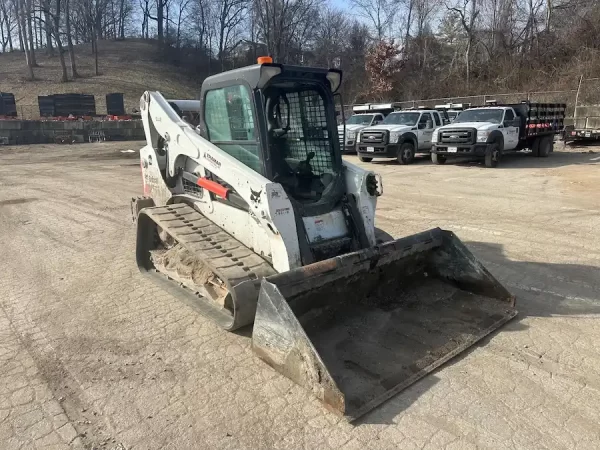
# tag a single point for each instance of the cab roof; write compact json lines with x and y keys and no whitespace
{"x":251,"y":75}
{"x":416,"y":110}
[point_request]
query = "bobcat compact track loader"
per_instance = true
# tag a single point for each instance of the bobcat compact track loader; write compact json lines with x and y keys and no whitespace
{"x":251,"y":216}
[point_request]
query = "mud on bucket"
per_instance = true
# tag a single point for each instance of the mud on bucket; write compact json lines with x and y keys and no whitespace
{"x":357,"y":329}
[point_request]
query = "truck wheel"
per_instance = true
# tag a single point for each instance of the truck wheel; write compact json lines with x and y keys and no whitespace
{"x":492,"y":155}
{"x":365,"y":159}
{"x":438,"y":159}
{"x":546,"y":146}
{"x":406,"y":154}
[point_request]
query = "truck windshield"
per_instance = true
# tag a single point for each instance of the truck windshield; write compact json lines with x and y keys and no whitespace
{"x":360,"y":119}
{"x":492,"y":115}
{"x":402,"y":118}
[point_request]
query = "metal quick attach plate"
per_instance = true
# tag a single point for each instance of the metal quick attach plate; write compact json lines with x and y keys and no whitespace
{"x":235,"y":264}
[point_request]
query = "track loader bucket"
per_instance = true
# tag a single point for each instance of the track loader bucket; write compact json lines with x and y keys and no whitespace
{"x":359,"y":328}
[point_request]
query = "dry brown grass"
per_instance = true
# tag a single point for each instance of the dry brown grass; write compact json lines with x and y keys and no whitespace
{"x":129,"y":66}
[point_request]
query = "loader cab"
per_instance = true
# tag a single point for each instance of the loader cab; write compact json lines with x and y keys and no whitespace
{"x":280,"y":121}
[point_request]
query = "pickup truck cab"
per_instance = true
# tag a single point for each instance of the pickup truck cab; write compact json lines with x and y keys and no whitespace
{"x":492,"y":131}
{"x":401,"y":135}
{"x":354,"y":124}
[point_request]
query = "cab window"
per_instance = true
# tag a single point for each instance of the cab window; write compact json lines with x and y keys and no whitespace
{"x":509,"y":115}
{"x":229,"y":121}
{"x":423,"y":120}
{"x":437,"y":119}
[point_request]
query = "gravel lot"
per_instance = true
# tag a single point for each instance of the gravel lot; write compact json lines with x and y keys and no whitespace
{"x":92,"y":357}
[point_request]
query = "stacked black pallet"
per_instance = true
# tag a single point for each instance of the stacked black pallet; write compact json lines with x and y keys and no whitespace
{"x":46,"y":103}
{"x":77,"y":105}
{"x":115,"y":105}
{"x":542,"y":117}
{"x":65,"y":105}
{"x":8,"y":106}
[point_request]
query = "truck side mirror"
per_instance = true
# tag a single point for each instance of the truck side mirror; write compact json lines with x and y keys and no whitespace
{"x":429,"y":124}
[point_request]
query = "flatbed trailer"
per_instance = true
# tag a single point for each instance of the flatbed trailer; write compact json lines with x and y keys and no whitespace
{"x":586,"y":125}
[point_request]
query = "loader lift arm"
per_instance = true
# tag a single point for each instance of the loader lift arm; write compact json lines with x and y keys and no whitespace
{"x":209,"y":161}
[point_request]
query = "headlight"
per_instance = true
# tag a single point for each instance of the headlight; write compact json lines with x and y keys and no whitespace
{"x":482,"y":136}
{"x":434,"y":136}
{"x":357,"y":137}
{"x":394,"y":137}
{"x":350,"y":135}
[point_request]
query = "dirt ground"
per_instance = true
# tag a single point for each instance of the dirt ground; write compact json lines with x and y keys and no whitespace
{"x":91,"y":356}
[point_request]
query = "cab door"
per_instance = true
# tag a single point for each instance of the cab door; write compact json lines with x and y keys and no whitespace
{"x":510,"y":131}
{"x":425,"y":131}
{"x":377,"y":118}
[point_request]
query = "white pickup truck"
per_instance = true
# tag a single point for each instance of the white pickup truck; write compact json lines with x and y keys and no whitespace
{"x":353,"y":125}
{"x":401,"y":135}
{"x":492,"y":131}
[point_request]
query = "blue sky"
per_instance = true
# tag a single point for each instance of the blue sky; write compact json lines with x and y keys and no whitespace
{"x":341,"y":4}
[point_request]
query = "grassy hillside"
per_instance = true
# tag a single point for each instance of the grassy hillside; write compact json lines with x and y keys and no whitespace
{"x":131,"y":67}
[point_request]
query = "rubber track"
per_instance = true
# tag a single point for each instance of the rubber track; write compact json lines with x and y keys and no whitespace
{"x":229,"y":259}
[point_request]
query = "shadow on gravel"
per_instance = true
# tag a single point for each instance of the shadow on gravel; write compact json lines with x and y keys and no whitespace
{"x":103,"y":156}
{"x":542,"y":290}
{"x":17,"y":201}
{"x":419,"y":160}
{"x":557,"y":159}
{"x":575,"y":154}
{"x":76,"y":153}
{"x":526,"y":161}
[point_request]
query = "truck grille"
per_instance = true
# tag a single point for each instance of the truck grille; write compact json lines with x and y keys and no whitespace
{"x":457,"y":136}
{"x":373,"y":137}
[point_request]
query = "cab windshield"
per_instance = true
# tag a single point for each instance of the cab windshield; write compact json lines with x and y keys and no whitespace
{"x":402,"y":118}
{"x":360,"y":119}
{"x":300,"y":143}
{"x":492,"y":115}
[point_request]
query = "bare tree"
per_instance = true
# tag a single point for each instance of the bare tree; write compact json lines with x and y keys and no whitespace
{"x":160,"y":18}
{"x":230,"y":14}
{"x":74,"y":73}
{"x":22,"y":29}
{"x":283,"y":26}
{"x":380,"y":14}
{"x":331,"y":37}
{"x":146,"y":17}
{"x":423,"y":10}
{"x":45,"y":5}
{"x":467,"y":12}
{"x":28,"y":11}
{"x":7,"y":25}
{"x":182,"y":16}
{"x":202,"y":12}
{"x":57,"y":39}
{"x":122,"y":14}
